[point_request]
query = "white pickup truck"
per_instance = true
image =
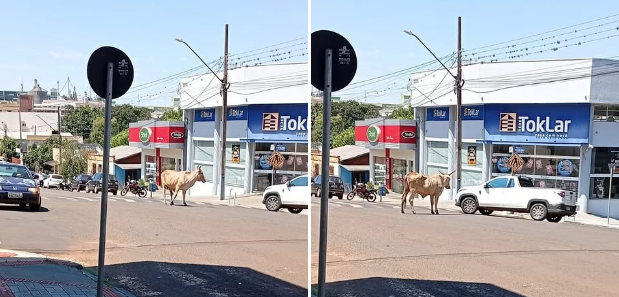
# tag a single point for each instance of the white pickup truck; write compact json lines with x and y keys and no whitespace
{"x":517,"y":194}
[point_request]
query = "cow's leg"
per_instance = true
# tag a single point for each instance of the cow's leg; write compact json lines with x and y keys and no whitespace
{"x":432,"y":203}
{"x":171,"y":196}
{"x":403,"y":202}
{"x":413,"y":193}
{"x":184,"y":203}
{"x":175,"y":195}
{"x":436,"y":203}
{"x":164,"y":189}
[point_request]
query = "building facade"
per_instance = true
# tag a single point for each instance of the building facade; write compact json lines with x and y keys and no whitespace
{"x":261,"y":119}
{"x":564,"y":128}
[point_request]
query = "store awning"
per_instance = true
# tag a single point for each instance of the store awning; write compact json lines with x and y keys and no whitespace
{"x":531,"y":143}
{"x":356,"y":167}
{"x":129,"y":166}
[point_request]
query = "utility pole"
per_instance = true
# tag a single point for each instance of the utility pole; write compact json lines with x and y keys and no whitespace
{"x":58,"y":90}
{"x":459,"y":109}
{"x":59,"y":142}
{"x":224,"y":118}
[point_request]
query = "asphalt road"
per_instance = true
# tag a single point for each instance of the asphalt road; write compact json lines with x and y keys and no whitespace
{"x":373,"y":250}
{"x":159,"y":250}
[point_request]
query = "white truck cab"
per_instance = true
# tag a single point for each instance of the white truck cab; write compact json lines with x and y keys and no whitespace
{"x":517,"y":194}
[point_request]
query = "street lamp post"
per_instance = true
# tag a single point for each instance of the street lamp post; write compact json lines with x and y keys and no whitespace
{"x":224,"y":95}
{"x":459,"y":84}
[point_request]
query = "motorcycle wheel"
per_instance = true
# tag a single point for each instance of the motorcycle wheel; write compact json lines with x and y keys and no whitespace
{"x":350,"y":195}
{"x":371,"y":197}
{"x":142,"y":193}
{"x":123,"y":192}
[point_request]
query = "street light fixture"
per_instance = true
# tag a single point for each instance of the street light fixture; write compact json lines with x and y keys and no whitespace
{"x":459,"y":84}
{"x":194,"y":52}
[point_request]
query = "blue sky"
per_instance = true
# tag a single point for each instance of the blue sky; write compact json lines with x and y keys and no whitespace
{"x":52,"y":40}
{"x":375,"y":29}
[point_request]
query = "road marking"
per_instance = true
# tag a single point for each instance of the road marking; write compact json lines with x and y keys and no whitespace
{"x":198,"y":202}
{"x":128,"y":200}
{"x":356,"y":205}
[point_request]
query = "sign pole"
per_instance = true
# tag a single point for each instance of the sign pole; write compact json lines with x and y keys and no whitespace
{"x":106,"y":171}
{"x":611,"y":166}
{"x":326,"y":146}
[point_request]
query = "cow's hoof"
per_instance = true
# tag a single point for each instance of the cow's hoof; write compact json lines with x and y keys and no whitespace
{"x":171,"y":203}
{"x":432,"y":212}
{"x":184,"y":204}
{"x":414,"y":212}
{"x":402,"y":211}
{"x":437,"y":212}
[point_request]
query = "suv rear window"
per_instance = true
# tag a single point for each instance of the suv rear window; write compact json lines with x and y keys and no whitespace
{"x":55,"y":176}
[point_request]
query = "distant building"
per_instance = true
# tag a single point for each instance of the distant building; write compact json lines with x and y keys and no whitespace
{"x":53,"y":94}
{"x":176,"y":102}
{"x":9,"y":95}
{"x":38,"y":93}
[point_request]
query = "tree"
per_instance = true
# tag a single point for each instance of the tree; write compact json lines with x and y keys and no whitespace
{"x":121,"y":138}
{"x":8,"y":146}
{"x":343,"y":117}
{"x":38,"y":155}
{"x":78,"y":121}
{"x":403,"y":113}
{"x":347,"y":137}
{"x":125,"y":114}
{"x":98,"y":130}
{"x":172,"y":115}
{"x":74,"y":161}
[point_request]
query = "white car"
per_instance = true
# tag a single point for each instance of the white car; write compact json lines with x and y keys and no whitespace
{"x":53,"y":181}
{"x":517,"y":194}
{"x":293,"y":195}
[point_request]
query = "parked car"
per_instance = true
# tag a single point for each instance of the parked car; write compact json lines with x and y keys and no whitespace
{"x":291,"y":195}
{"x":53,"y":181}
{"x":336,"y":186}
{"x":96,"y":183}
{"x":79,"y":183}
{"x":18,"y":186}
{"x":517,"y":194}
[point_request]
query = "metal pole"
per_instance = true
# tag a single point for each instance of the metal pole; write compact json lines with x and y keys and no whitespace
{"x":106,"y":171}
{"x":59,"y":143}
{"x":459,"y":110}
{"x":224,"y":120}
{"x":610,"y":191}
{"x":20,"y":124}
{"x":324,"y":198}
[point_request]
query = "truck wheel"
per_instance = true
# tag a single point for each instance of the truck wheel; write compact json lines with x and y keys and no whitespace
{"x":486,"y":212}
{"x":538,"y":211}
{"x":469,"y":205}
{"x":554,"y":218}
{"x":273,"y":203}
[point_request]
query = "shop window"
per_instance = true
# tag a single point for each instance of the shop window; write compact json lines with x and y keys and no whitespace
{"x":235,"y":153}
{"x":437,"y":152}
{"x":434,"y":169}
{"x":470,"y":178}
{"x":568,"y":151}
{"x":398,"y":173}
{"x":168,"y":164}
{"x":520,"y":149}
{"x":302,"y":147}
{"x":568,"y":185}
{"x":204,"y":150}
{"x":606,"y":113}
{"x":601,"y":156}
{"x":207,"y":170}
{"x":235,"y":176}
{"x":600,"y":186}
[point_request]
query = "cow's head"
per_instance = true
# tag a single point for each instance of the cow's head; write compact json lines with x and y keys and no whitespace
{"x":446,"y":179}
{"x":200,"y":174}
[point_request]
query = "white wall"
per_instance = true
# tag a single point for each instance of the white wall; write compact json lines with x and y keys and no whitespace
{"x":248,"y":80}
{"x":604,"y":134}
{"x":402,"y":154}
{"x":599,"y":207}
{"x":569,"y":91}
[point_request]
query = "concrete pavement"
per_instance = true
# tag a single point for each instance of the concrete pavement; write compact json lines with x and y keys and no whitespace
{"x":376,"y":251}
{"x":29,"y":275}
{"x":160,"y":250}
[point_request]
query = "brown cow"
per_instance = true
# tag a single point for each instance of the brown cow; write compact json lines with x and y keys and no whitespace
{"x":180,"y":181}
{"x":425,"y":185}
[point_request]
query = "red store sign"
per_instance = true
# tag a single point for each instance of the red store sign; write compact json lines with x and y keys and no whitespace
{"x":149,"y":134}
{"x":386,"y":134}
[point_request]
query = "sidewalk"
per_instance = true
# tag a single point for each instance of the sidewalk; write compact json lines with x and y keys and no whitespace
{"x":580,"y":218}
{"x":31,"y":275}
{"x":252,"y":200}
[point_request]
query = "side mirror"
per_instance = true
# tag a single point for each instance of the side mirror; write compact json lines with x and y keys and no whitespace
{"x":35,"y":176}
{"x":486,"y":186}
{"x":288,"y":184}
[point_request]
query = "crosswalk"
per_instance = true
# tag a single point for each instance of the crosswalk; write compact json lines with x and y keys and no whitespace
{"x":356,"y":204}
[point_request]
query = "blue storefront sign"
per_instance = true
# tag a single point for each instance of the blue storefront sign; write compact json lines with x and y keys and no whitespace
{"x":204,"y":115}
{"x":438,"y":114}
{"x":238,"y":113}
{"x":472,"y":113}
{"x":278,"y":122}
{"x":537,"y":123}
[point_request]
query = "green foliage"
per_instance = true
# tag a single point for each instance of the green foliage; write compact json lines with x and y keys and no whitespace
{"x":119,"y":139}
{"x":84,"y":120}
{"x":98,"y":130}
{"x":172,"y":115}
{"x":125,"y":114}
{"x":8,"y":146}
{"x":78,"y":121}
{"x":343,"y":117}
{"x":403,"y":113}
{"x":74,"y":161}
{"x":38,"y":155}
{"x":346,"y":137}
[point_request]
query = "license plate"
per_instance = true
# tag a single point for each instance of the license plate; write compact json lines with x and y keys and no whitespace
{"x":15,"y":195}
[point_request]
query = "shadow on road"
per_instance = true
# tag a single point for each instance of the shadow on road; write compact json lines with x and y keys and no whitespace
{"x":24,"y":209}
{"x":175,"y":279}
{"x":379,"y":286}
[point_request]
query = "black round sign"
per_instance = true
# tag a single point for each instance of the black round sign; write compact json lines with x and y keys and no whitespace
{"x":344,"y":60}
{"x":97,"y":71}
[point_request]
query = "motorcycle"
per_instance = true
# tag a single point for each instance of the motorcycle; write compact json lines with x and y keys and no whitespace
{"x":134,"y":188}
{"x":363,"y":193}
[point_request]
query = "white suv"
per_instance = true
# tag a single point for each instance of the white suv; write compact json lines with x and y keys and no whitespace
{"x":53,"y":181}
{"x":293,"y":195}
{"x":517,"y":194}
